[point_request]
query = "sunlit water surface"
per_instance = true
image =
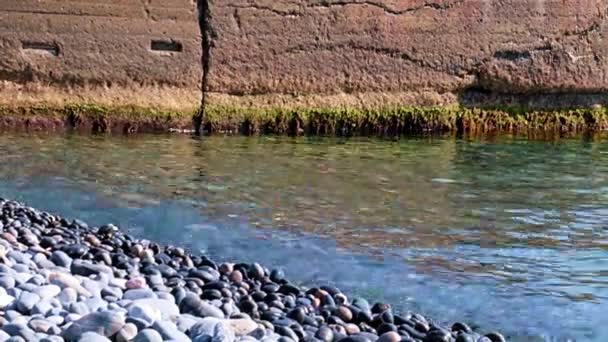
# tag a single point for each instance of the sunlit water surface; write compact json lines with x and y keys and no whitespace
{"x":503,"y":233}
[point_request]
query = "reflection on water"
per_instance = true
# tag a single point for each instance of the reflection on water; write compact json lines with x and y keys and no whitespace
{"x":506,"y":233}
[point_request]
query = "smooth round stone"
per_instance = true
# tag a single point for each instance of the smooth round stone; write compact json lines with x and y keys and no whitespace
{"x":286,"y":332}
{"x":325,"y":334}
{"x":61,"y":259}
{"x":146,"y":313}
{"x":7,"y":282}
{"x":67,"y":296}
{"x":4,"y":336}
{"x":20,"y":330}
{"x":459,"y":326}
{"x":345,"y":314}
{"x":57,"y":320}
{"x":352,"y":329}
{"x":86,"y":269}
{"x":105,"y":323}
{"x":42,"y":308}
{"x":47,"y":291}
{"x":126,"y":333}
{"x":148,"y":335}
{"x":185,"y":322}
{"x":65,"y":280}
{"x":465,"y":338}
{"x":52,"y":339}
{"x":40,"y":325}
{"x":139,"y":294}
{"x":79,"y":308}
{"x":93,"y":337}
{"x":390,"y":336}
{"x":496,"y":337}
{"x":193,"y":305}
{"x":168,"y":309}
{"x":96,"y":304}
{"x":5,"y":300}
{"x":17,"y":339}
{"x":243,"y":326}
{"x":218,"y":329}
{"x":355,"y":338}
{"x":26,"y":301}
{"x":136,"y":283}
{"x":169,"y":331}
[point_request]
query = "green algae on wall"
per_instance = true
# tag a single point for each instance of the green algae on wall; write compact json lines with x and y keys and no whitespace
{"x":394,"y":121}
{"x":387,"y":121}
{"x":94,"y":118}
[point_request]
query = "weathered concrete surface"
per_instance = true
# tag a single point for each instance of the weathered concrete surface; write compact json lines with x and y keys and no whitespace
{"x":101,"y":51}
{"x":401,"y":48}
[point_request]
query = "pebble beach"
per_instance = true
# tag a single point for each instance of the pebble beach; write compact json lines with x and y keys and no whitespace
{"x":63,"y":280}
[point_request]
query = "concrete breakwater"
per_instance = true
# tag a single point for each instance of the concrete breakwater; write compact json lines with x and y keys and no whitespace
{"x":264,"y":66}
{"x":62,"y":280}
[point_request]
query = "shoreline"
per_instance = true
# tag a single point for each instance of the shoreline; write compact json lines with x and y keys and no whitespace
{"x":391,"y":121}
{"x":64,"y":278}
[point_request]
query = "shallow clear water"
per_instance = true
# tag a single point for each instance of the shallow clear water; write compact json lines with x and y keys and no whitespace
{"x":504,"y":233}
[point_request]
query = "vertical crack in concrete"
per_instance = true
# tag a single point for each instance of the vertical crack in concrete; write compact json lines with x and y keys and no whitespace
{"x":204,"y":19}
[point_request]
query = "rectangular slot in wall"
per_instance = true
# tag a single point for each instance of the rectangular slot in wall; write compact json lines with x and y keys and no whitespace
{"x":166,"y":46}
{"x":40,"y":47}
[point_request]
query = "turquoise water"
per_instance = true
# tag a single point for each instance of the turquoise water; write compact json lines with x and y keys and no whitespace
{"x":504,"y":233}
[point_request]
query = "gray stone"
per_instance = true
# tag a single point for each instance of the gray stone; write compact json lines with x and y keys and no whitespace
{"x":15,"y":292}
{"x":146,"y":313}
{"x":166,"y":296}
{"x":85,"y":269}
{"x":52,"y":339}
{"x":11,"y":315}
{"x":168,"y":309}
{"x":4,"y":336}
{"x":7,"y":282}
{"x":28,"y":287}
{"x":169,"y":331}
{"x":68,"y":296}
{"x":247,"y":339}
{"x":72,"y":317}
{"x":18,"y":339}
{"x":21,"y":268}
{"x":93,"y":337}
{"x":94,"y":287}
{"x":65,"y":280}
{"x":19,"y":257}
{"x":148,"y":335}
{"x":20,"y":330}
{"x":26,"y":301}
{"x":186,"y":321}
{"x":5,"y":300}
{"x":96,"y":304}
{"x":219,"y":330}
{"x":48,"y":291}
{"x":21,"y":277}
{"x":111,"y":291}
{"x":104,"y":323}
{"x":79,"y":308}
{"x":61,"y":259}
{"x":139,"y":294}
{"x":40,"y":325}
{"x":57,"y":320}
{"x":127,"y":333}
{"x":192,"y":304}
{"x":42,"y":308}
{"x":242,"y":326}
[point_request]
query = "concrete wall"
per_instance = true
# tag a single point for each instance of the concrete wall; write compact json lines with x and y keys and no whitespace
{"x":124,"y":45}
{"x":305,"y":52}
{"x":403,"y":46}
